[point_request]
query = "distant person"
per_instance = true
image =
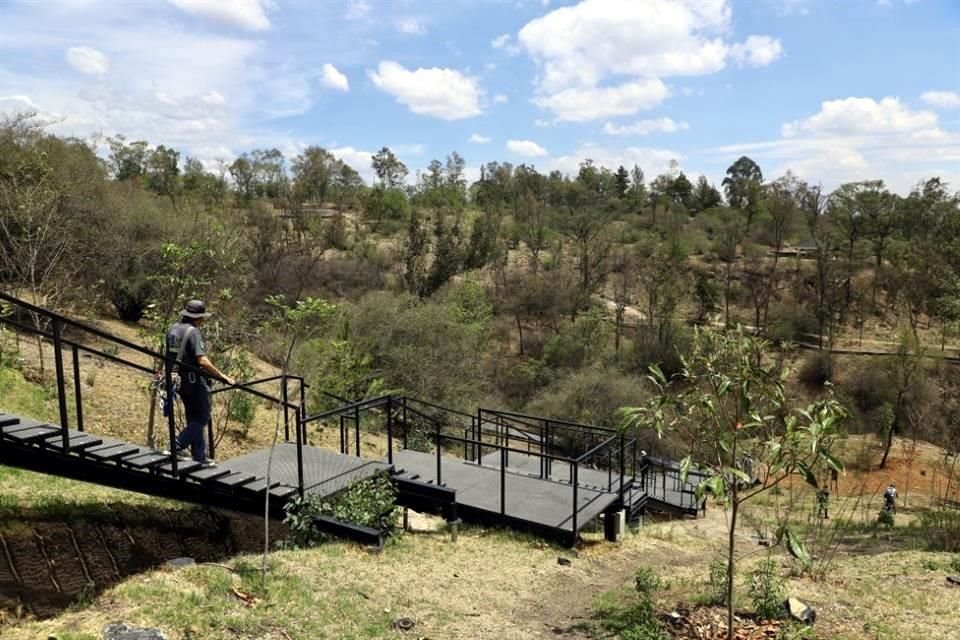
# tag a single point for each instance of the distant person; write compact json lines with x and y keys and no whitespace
{"x":185,"y":344}
{"x":823,"y":503}
{"x":890,"y":498}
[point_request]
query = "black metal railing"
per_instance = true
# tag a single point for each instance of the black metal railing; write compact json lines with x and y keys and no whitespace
{"x":56,"y":329}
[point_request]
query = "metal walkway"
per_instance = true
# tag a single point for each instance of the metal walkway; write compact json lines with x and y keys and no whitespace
{"x":549,"y":476}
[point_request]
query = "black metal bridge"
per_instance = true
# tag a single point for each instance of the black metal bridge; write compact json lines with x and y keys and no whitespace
{"x":548,"y":476}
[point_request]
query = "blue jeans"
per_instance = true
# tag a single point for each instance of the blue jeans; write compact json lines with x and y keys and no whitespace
{"x":196,"y":405}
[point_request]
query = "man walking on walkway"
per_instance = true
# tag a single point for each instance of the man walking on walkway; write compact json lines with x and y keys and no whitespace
{"x":185,"y":344}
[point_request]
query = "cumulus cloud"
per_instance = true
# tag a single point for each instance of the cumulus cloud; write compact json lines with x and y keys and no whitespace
{"x":591,"y":103}
{"x":359,"y":160}
{"x":479,"y":139}
{"x":436,"y":92}
{"x":245,"y":14}
{"x":607,"y":41}
{"x":527,"y":148}
{"x":213,"y":98}
{"x":333,"y":79}
{"x":861,"y":116}
{"x":942,"y":99}
{"x":757,"y":51}
{"x":357,"y":10}
{"x":88,"y":60}
{"x":645,"y":127}
{"x":411,"y":26}
{"x":501,"y":98}
{"x":505,"y":43}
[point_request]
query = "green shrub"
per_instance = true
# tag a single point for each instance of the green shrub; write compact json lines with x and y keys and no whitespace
{"x":766,"y":590}
{"x":941,"y":530}
{"x":369,"y":503}
{"x":647,"y":582}
{"x":885,"y":518}
{"x":633,"y":619}
{"x":955,"y":564}
{"x":792,"y":324}
{"x":717,"y":581}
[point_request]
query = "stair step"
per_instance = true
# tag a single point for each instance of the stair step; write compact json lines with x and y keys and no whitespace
{"x":111,"y":451}
{"x":78,"y":441}
{"x":260,"y":485}
{"x":209,"y":473}
{"x":235,"y":480}
{"x":23,"y":425}
{"x":145,"y":459}
{"x":8,"y":420}
{"x":283,"y":491}
{"x":32,"y":434}
{"x":183,"y":467}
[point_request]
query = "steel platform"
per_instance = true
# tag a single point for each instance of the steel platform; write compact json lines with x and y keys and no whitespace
{"x":542,"y":505}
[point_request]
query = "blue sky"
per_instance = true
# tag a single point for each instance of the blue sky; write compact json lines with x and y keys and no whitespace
{"x":834,"y":91}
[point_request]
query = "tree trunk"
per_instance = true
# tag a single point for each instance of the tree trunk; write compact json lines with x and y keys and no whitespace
{"x":520,"y":331}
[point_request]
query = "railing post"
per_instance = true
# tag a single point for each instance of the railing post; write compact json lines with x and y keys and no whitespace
{"x":286,"y":409}
{"x":76,"y":387}
{"x":439,"y":481}
{"x":406,"y":426}
{"x":390,"y":429}
{"x":545,"y":448}
{"x":623,"y":466}
{"x":343,"y":435}
{"x":301,"y":437}
{"x":210,"y":444}
{"x":503,"y":481}
{"x":171,"y":409}
{"x":61,"y":387}
{"x":303,"y":411}
{"x":356,"y":426}
{"x":576,"y":509}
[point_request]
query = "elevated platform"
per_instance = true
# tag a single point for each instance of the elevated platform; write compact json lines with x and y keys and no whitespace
{"x":542,"y":506}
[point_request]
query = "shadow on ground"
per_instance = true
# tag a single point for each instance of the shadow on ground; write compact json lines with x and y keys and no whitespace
{"x":51,"y":559}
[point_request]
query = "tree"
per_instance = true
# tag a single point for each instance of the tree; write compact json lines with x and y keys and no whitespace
{"x":244,"y":177}
{"x":127,"y":160}
{"x":163,"y":173}
{"x":623,"y":182}
{"x":705,"y":196}
{"x":415,"y":250}
{"x":313,"y":172}
{"x":743,"y":186}
{"x":447,"y":256}
{"x":744,"y":435}
{"x":390,"y":171}
{"x":906,"y":375}
{"x":638,"y":190}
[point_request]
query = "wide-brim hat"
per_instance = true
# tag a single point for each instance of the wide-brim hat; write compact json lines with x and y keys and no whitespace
{"x":195,"y":309}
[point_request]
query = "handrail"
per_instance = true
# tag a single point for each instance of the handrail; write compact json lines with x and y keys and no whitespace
{"x":584,"y":456}
{"x":360,"y":405}
{"x":437,"y":406}
{"x":566,"y":423}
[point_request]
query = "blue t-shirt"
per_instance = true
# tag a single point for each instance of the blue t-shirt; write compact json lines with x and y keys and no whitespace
{"x":191,"y":352}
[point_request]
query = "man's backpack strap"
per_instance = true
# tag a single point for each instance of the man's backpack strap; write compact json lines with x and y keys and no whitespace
{"x":183,"y":343}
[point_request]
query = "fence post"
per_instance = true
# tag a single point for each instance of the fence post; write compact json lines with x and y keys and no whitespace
{"x":356,"y":426}
{"x":76,"y":387}
{"x":286,"y":409}
{"x":61,"y":390}
{"x":390,"y":429}
{"x":576,"y":510}
{"x":503,"y":481}
{"x":171,"y":409}
{"x":439,"y":481}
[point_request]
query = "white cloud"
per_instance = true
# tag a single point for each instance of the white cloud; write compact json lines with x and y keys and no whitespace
{"x":411,"y":26}
{"x":213,"y":98}
{"x":645,"y":127}
{"x":591,"y":103}
{"x":859,"y":116}
{"x":245,"y":14}
{"x":479,"y":139}
{"x":88,"y":60}
{"x":436,"y":92}
{"x":357,"y":10}
{"x":757,"y":51}
{"x":21,"y":102}
{"x":527,"y":148}
{"x":333,"y":79}
{"x":359,"y":160}
{"x":653,"y":161}
{"x":501,"y":98}
{"x":942,"y":99}
{"x":610,"y":45}
{"x":505,"y":43}
{"x":539,"y":122}
{"x":655,"y":38}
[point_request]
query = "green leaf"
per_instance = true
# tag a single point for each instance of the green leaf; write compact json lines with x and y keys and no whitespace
{"x":796,"y":548}
{"x":685,"y":465}
{"x":808,"y":475}
{"x":737,"y":473}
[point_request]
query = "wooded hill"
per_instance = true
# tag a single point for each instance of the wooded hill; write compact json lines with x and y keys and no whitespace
{"x":549,"y":293}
